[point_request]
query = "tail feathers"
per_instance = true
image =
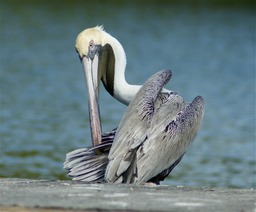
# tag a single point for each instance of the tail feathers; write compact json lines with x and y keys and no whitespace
{"x":88,"y":164}
{"x":108,"y":137}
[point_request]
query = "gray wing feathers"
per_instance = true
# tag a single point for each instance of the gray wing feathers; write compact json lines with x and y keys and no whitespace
{"x":154,"y":133}
{"x":137,"y":119}
{"x":140,"y":110}
{"x":167,"y":143}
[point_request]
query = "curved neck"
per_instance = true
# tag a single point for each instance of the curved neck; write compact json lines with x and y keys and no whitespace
{"x":122,"y":91}
{"x":125,"y":92}
{"x":116,"y":84}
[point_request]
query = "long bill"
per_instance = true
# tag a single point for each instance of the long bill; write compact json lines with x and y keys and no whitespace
{"x":91,"y":75}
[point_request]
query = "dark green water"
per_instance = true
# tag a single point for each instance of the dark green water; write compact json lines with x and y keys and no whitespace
{"x":210,"y":48}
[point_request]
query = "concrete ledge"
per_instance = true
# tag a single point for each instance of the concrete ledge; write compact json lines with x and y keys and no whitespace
{"x":43,"y":195}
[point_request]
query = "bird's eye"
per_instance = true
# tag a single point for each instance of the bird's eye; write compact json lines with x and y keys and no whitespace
{"x":91,"y":44}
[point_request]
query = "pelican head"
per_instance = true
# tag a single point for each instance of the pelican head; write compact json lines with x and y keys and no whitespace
{"x":96,"y":49}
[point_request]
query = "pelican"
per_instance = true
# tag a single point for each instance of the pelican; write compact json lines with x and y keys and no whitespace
{"x":155,"y":131}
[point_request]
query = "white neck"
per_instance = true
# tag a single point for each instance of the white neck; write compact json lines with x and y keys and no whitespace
{"x":123,"y":91}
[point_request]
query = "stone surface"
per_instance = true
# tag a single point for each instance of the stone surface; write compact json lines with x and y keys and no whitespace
{"x":42,"y":195}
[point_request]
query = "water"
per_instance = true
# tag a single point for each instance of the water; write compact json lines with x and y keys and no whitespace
{"x":210,"y":48}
